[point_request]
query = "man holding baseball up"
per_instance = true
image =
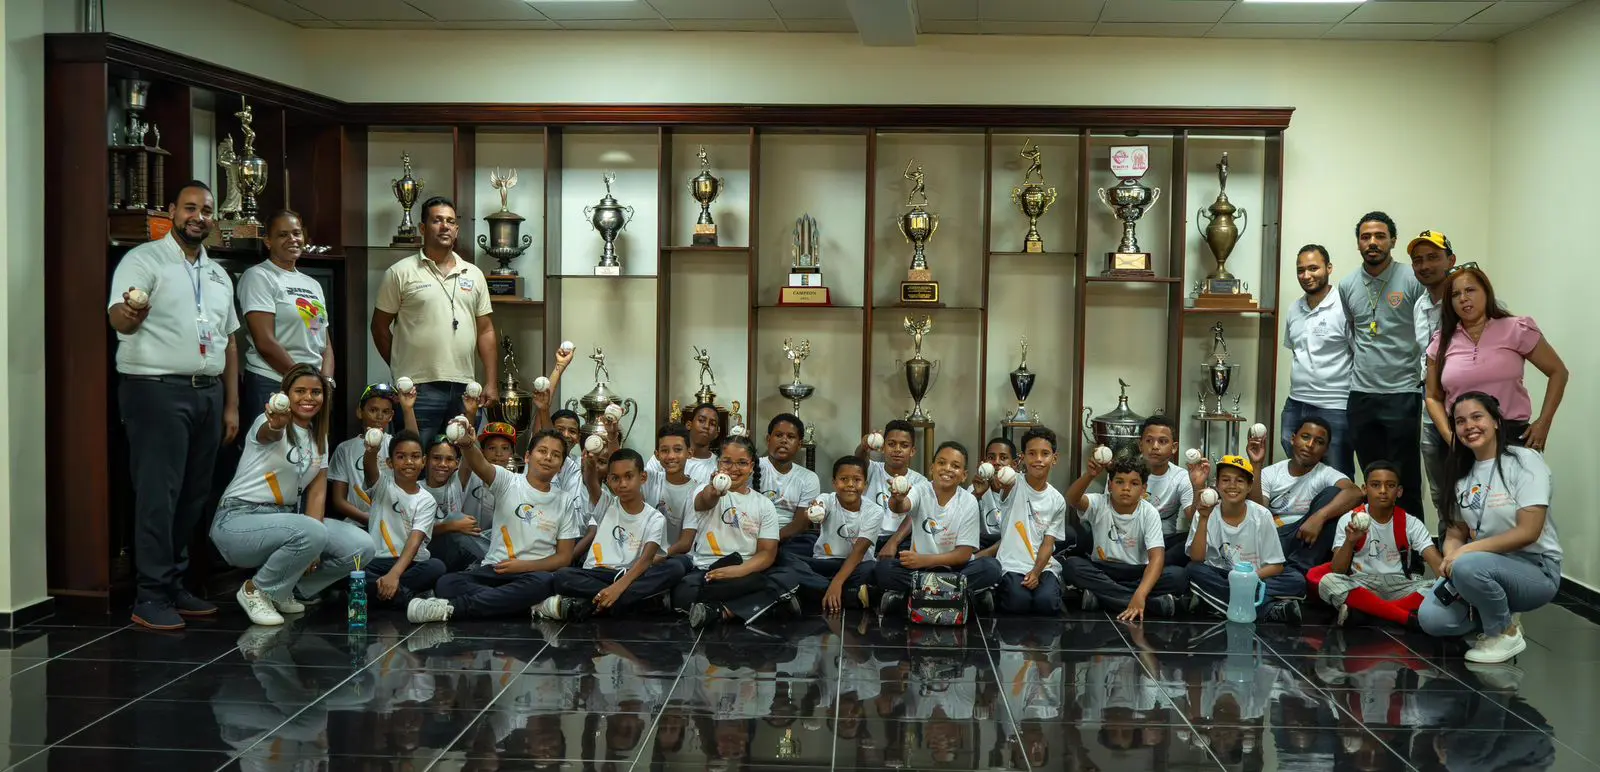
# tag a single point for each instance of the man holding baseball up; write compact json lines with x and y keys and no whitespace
{"x":172,"y":308}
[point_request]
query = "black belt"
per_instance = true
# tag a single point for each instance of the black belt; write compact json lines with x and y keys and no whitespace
{"x":192,"y":381}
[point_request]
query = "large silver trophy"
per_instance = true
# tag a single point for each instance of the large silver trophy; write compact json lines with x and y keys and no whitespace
{"x":1118,"y":429}
{"x":609,"y":218}
{"x":1216,"y":380}
{"x":1128,"y":201}
{"x":594,"y":404}
{"x":794,"y":390}
{"x":501,"y":240}
{"x":920,"y":372}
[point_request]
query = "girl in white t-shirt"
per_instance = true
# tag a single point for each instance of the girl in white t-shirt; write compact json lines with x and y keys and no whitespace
{"x":734,"y":572}
{"x":258,"y":522}
{"x":1501,"y":552}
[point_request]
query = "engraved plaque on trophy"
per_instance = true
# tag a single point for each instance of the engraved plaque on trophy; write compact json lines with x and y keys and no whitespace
{"x":917,"y":225}
{"x":805,"y":273}
{"x":1128,"y":200}
{"x":1222,"y":289}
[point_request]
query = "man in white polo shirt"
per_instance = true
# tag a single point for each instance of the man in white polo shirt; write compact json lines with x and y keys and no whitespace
{"x":1318,"y":331}
{"x":432,"y":317}
{"x":172,"y":308}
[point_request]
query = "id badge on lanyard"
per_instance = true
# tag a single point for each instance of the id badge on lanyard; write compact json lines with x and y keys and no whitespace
{"x":205,"y":331}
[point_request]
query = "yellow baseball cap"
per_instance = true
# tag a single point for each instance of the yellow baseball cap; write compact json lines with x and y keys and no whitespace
{"x":1431,"y":237}
{"x":1238,"y":462}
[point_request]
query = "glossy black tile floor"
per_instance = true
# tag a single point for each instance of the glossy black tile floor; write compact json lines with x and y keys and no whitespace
{"x":1083,"y":693}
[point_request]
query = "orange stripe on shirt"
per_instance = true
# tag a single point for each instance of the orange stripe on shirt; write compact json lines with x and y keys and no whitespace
{"x":505,"y":536}
{"x":1023,"y":532}
{"x":361,"y":494}
{"x":598,"y":560}
{"x":711,"y":539}
{"x":383,"y":530}
{"x":277,"y":492}
{"x":1021,"y":680}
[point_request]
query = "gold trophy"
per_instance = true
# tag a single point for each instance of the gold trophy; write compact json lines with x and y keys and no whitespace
{"x":252,"y":181}
{"x":1220,"y":288}
{"x":705,"y":188}
{"x":1033,"y":198}
{"x":406,"y":190}
{"x":918,"y":226}
{"x":516,"y":402}
{"x":920,"y":372}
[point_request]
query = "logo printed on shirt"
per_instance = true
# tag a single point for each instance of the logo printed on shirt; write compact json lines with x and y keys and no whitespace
{"x":1395,"y":297}
{"x":527,"y":513}
{"x":466,"y":283}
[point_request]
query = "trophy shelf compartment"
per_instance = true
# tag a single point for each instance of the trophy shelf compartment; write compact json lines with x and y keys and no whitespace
{"x":690,"y":248}
{"x":811,"y":306}
{"x":502,"y":300}
{"x":1190,"y":310}
{"x":1073,"y":255}
{"x":1132,"y":279}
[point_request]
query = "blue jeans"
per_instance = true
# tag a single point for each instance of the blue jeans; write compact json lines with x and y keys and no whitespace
{"x":1341,"y":453}
{"x":281,"y":543}
{"x":437,"y":402}
{"x":1494,"y":585}
{"x":253,"y":402}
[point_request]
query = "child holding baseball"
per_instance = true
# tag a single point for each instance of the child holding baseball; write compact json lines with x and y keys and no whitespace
{"x":898,"y":443}
{"x":1033,"y":519}
{"x":840,"y":564}
{"x":1368,"y":578}
{"x":1128,"y":573}
{"x":1235,"y":531}
{"x":346,"y":498}
{"x":940,"y":520}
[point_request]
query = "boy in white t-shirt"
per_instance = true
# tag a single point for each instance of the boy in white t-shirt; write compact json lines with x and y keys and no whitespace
{"x":1128,"y":573}
{"x":941,"y":521}
{"x":1368,"y":578}
{"x":401,"y":522}
{"x":998,"y":453}
{"x":346,"y":498}
{"x":619,"y":570}
{"x":1034,"y":520}
{"x":1305,"y":495}
{"x":899,"y":447}
{"x":839,"y":567}
{"x":1236,"y":531}
{"x":790,"y":486}
{"x":1170,"y":487}
{"x":667,"y":485}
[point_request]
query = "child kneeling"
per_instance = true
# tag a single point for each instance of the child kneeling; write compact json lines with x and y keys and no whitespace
{"x":1368,"y":578}
{"x":942,"y":522}
{"x":1243,"y":532}
{"x":1128,"y":573}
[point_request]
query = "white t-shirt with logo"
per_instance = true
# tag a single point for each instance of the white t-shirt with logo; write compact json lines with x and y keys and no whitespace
{"x":1120,"y":538}
{"x":734,"y":524}
{"x":939,"y":528}
{"x":993,"y":513}
{"x":299,"y":315}
{"x":348,"y":465}
{"x":1172,"y":494}
{"x":395,"y":514}
{"x":798,"y":488}
{"x":1490,"y":497}
{"x":878,"y":492}
{"x":1289,"y":497}
{"x":620,"y":537}
{"x":1377,"y":552}
{"x":841,"y":528}
{"x":1030,"y":516}
{"x":478,"y":501}
{"x":275,"y":472}
{"x":1253,"y":541}
{"x":528,"y":521}
{"x":701,"y":468}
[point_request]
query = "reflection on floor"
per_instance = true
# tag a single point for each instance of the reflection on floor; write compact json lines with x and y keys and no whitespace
{"x":1082,"y":693}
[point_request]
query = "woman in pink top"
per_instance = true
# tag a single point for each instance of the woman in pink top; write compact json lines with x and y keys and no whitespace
{"x":1481,"y":347}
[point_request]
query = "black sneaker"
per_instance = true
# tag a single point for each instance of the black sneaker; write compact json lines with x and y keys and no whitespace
{"x":1286,"y":611}
{"x":576,"y":609}
{"x":190,"y":605}
{"x":1164,"y":606}
{"x":1088,"y":602}
{"x":984,"y":601}
{"x":893,"y":602}
{"x":702,"y":614}
{"x":157,"y":615}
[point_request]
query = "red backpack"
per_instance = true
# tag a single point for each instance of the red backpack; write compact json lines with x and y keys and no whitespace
{"x":1401,"y":542}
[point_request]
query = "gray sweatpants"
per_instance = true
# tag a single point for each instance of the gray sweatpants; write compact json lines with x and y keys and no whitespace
{"x":281,"y":544}
{"x":1334,"y":588}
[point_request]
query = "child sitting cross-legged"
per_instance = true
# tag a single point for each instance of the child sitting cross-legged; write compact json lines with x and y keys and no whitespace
{"x":1128,"y":572}
{"x":1240,"y":531}
{"x":840,"y":565}
{"x":1368,"y":578}
{"x":941,"y":523}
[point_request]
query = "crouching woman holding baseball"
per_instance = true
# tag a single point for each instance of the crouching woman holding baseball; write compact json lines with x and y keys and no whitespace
{"x":258,"y":523}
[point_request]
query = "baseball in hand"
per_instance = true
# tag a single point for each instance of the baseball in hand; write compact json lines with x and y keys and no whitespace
{"x":875,"y":441}
{"x":1208,"y":498}
{"x":721,"y":482}
{"x":1102,"y":455}
{"x":614,"y":412}
{"x":138,"y":299}
{"x":1361,"y":521}
{"x":373,"y":438}
{"x":899,"y":484}
{"x":1257,"y":431}
{"x":1005,"y":475}
{"x":593,"y":444}
{"x":567,"y":346}
{"x":404,"y":385}
{"x":278,"y":403}
{"x":816,"y":513}
{"x":985,"y":470}
{"x":541,"y":384}
{"x":738,"y":430}
{"x":474,"y":389}
{"x":1192,"y":455}
{"x":455,"y":431}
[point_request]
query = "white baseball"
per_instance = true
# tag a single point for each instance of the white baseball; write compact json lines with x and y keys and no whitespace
{"x":1208,"y":498}
{"x":474,"y":389}
{"x":1257,"y":431}
{"x":541,"y":384}
{"x":614,"y":412}
{"x":875,"y":441}
{"x":985,"y":470}
{"x":593,"y":444}
{"x":1361,"y":521}
{"x":567,"y":346}
{"x":455,"y":431}
{"x":374,"y":438}
{"x":138,"y":299}
{"x":1102,"y":455}
{"x":738,"y":430}
{"x":278,"y":403}
{"x":816,"y":513}
{"x":1192,"y":455}
{"x":404,"y":385}
{"x":899,"y":484}
{"x":722,"y":482}
{"x":1005,"y":475}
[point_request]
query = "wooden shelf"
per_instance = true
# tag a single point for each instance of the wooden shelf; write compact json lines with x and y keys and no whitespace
{"x":705,"y":249}
{"x":920,"y":307}
{"x":1233,"y":311}
{"x":1132,"y":279}
{"x":507,"y":300}
{"x":1034,"y":254}
{"x":803,"y":307}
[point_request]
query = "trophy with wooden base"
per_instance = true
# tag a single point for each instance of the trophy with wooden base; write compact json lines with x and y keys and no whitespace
{"x":918,"y":226}
{"x":805,"y":273}
{"x":1220,"y":288}
{"x":1128,"y":200}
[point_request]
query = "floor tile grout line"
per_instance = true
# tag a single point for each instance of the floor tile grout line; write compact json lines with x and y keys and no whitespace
{"x":1171,"y":699}
{"x":1468,"y":686}
{"x":655,"y":723}
{"x":123,"y":707}
{"x":994,"y":669}
{"x":490,"y":704}
{"x":838,"y":691}
{"x":324,"y":695}
{"x":48,"y":660}
{"x":1336,"y":706}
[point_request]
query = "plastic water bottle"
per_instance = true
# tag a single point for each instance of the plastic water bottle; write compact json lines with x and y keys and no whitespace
{"x":1245,"y":592}
{"x":357,"y":612}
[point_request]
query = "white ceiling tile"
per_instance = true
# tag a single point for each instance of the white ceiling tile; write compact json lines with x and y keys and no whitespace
{"x":820,"y":25}
{"x":279,"y":9}
{"x":476,"y":10}
{"x":621,"y":9}
{"x":631,"y":25}
{"x":727,"y":25}
{"x":1353,"y":31}
{"x":1081,"y":28}
{"x":1167,"y":11}
{"x":947,"y":10}
{"x":1414,"y":12}
{"x":1151,"y":29}
{"x":1483,"y":32}
{"x":355,"y":10}
{"x":318,"y":24}
{"x":714,"y":9}
{"x":1269,"y":31}
{"x":520,"y":24}
{"x":946,"y":27}
{"x":1516,"y":13}
{"x":811,"y":9}
{"x":1288,"y":13}
{"x":1040,"y":10}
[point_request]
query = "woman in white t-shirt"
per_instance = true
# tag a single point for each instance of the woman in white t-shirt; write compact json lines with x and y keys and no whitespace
{"x":258,"y":522}
{"x":1501,"y":552}
{"x":284,"y":313}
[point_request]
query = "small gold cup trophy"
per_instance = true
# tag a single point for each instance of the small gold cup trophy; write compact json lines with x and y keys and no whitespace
{"x":705,"y":188}
{"x":407,"y":189}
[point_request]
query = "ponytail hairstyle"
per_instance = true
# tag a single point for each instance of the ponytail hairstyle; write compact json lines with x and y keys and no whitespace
{"x":324,"y":416}
{"x":1460,"y":458}
{"x":755,"y":458}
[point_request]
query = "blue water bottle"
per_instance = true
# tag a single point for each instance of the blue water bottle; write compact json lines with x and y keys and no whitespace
{"x":1246,"y":591}
{"x":357,"y":613}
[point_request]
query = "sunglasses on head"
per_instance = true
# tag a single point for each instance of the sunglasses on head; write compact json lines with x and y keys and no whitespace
{"x":1467,"y":266}
{"x":383,"y":390}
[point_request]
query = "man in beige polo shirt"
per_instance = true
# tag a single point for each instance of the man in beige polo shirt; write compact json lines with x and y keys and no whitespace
{"x":432,"y":317}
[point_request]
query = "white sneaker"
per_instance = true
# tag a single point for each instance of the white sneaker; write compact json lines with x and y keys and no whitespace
{"x":290,"y":606}
{"x":258,"y":607}
{"x":424,"y":610}
{"x":1494,"y":649}
{"x":549,"y":608}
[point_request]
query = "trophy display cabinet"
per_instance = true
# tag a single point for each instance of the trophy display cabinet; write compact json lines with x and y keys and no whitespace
{"x":706,"y":265}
